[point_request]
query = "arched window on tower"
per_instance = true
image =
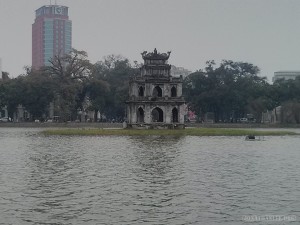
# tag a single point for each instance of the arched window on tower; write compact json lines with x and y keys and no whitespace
{"x":157,"y":92}
{"x":141,"y":91}
{"x":175,"y":115}
{"x":140,"y":115}
{"x":157,"y":115}
{"x":173,"y":92}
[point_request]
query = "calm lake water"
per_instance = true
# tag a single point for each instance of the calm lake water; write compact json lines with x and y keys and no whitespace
{"x":147,"y":180}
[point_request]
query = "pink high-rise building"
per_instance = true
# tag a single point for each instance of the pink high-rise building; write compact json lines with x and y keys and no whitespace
{"x":51,"y":34}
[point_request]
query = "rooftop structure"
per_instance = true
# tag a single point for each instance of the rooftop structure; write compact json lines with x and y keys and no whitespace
{"x":286,"y":75}
{"x":177,"y":71}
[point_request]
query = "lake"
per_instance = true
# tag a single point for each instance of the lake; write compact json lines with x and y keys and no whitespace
{"x":147,"y":180}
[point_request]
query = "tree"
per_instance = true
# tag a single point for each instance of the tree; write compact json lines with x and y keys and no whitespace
{"x":98,"y":91}
{"x":4,"y":77}
{"x":38,"y":93}
{"x":70,"y":72}
{"x":287,"y":90}
{"x":113,"y":75}
{"x":225,"y":90}
{"x":12,"y":94}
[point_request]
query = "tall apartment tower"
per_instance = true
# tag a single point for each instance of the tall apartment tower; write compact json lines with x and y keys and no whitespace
{"x":51,"y":34}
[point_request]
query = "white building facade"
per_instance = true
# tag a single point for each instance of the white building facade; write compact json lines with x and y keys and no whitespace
{"x":285,"y":75}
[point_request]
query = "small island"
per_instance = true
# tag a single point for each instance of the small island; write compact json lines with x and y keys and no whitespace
{"x":166,"y":132}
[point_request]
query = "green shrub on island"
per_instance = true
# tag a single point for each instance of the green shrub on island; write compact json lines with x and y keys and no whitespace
{"x":166,"y":132}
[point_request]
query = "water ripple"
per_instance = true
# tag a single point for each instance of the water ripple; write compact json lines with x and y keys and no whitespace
{"x":149,"y":180}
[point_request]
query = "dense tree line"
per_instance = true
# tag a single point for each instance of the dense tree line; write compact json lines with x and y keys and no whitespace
{"x":72,"y":84}
{"x":234,"y":89}
{"x":229,"y":91}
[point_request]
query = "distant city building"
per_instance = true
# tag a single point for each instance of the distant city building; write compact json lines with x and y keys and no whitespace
{"x":51,"y":34}
{"x":177,"y":71}
{"x":286,"y":75}
{"x":0,"y":68}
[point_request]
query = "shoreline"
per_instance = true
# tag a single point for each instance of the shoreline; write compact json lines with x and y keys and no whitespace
{"x":120,"y":125}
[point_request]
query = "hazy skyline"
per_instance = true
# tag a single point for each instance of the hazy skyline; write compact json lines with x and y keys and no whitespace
{"x":262,"y":32}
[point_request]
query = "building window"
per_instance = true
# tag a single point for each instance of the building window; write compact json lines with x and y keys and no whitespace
{"x":157,"y":92}
{"x":141,"y":91}
{"x":173,"y":92}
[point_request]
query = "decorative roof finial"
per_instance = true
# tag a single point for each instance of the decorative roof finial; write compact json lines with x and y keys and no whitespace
{"x":144,"y":53}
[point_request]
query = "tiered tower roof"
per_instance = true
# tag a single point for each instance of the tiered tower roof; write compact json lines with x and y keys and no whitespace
{"x":155,"y":55}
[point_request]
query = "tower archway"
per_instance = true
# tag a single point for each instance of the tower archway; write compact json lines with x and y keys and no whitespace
{"x":157,"y":115}
{"x":140,"y":115}
{"x":175,"y":115}
{"x":173,"y":92}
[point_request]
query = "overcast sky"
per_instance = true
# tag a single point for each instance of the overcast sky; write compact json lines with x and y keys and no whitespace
{"x":263,"y":32}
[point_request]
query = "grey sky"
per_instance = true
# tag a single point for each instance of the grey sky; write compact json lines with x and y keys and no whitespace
{"x":263,"y":32}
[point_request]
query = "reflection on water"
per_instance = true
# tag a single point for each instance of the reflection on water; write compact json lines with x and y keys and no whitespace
{"x":149,"y":180}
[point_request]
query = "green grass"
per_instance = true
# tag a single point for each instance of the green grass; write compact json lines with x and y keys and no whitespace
{"x":163,"y":132}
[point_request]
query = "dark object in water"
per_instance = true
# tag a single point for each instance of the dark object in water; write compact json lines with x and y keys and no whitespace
{"x":250,"y":137}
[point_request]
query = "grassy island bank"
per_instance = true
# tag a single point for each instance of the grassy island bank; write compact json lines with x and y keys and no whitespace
{"x":184,"y":132}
